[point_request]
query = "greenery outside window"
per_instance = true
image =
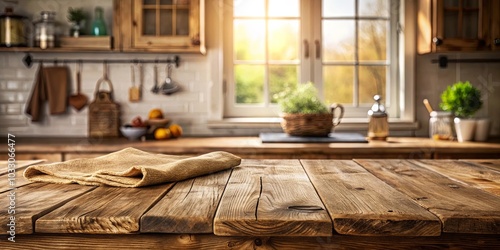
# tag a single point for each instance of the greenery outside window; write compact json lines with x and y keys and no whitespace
{"x":348,"y":48}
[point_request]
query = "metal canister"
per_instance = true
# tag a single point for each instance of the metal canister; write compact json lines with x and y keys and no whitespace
{"x":12,"y":29}
{"x":378,"y":126}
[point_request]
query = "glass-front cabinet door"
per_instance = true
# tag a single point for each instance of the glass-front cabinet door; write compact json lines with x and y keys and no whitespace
{"x":161,"y":25}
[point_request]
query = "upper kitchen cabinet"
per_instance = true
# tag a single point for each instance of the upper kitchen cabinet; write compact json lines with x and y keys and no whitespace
{"x":175,"y":26}
{"x":495,"y":25}
{"x":453,"y":25}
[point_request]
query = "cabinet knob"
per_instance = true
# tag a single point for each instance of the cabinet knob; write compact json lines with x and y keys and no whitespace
{"x":437,"y":41}
{"x":496,"y":41}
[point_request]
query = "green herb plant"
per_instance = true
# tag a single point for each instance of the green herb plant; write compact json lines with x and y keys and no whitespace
{"x":76,"y":15}
{"x":462,"y":99}
{"x":302,"y":99}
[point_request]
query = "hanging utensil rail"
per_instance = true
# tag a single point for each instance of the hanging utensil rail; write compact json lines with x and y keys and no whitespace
{"x":28,"y":61}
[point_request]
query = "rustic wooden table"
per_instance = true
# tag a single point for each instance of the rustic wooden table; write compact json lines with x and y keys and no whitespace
{"x":276,"y":204}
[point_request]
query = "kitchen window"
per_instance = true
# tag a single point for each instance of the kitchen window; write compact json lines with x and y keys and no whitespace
{"x":350,"y":49}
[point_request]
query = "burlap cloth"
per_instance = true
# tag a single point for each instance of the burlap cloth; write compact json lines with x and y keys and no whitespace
{"x":131,"y":167}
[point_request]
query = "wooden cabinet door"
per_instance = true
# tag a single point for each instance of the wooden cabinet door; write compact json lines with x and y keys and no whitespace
{"x":452,"y":25}
{"x":494,"y":38}
{"x":160,"y":25}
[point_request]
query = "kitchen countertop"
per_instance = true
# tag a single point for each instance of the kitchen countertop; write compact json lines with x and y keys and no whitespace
{"x":252,"y":147}
{"x":272,"y":204}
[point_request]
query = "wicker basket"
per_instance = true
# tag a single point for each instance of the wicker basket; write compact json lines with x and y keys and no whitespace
{"x":307,"y":124}
{"x":312,"y":124}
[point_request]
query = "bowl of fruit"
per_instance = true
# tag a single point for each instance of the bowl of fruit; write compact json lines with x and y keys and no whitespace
{"x":135,"y":129}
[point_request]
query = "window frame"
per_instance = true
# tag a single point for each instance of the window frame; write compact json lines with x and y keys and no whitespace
{"x":402,"y":108}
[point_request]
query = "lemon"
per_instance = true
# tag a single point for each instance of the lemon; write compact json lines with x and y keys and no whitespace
{"x":155,"y":114}
{"x":175,"y":130}
{"x":162,"y":134}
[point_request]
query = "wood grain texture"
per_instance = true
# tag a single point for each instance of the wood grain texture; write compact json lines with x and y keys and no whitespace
{"x":461,"y":208}
{"x":189,"y":207}
{"x":18,"y":165}
{"x":475,"y":175}
{"x":105,"y":210}
{"x":17,"y":180}
{"x":35,"y":200}
{"x":271,"y":197}
{"x":489,"y":163}
{"x":209,"y":241}
{"x":51,"y":157}
{"x":361,"y":204}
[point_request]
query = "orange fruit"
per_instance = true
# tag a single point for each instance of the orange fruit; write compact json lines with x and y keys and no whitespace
{"x":162,"y":134}
{"x":155,"y":114}
{"x":175,"y":130}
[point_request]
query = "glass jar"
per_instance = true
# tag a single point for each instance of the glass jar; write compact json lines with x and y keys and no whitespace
{"x":440,"y":125}
{"x":99,"y":25}
{"x":45,"y":30}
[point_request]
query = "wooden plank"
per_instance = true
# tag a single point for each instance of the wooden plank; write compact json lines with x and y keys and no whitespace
{"x":461,"y":208}
{"x":105,"y":210}
{"x":4,"y":167}
{"x":33,"y":201}
{"x":361,"y":204}
{"x":51,"y":157}
{"x":475,"y":175}
{"x":189,"y":207}
{"x":271,"y":197}
{"x":210,"y":241}
{"x":489,"y":163}
{"x":18,"y":180}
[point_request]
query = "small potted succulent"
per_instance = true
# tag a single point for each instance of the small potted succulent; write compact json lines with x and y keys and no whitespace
{"x":304,"y":114}
{"x":77,"y":17}
{"x":463,"y":100}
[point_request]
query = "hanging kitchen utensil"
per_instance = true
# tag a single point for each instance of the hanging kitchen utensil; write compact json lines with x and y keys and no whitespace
{"x":79,"y":100}
{"x":169,"y":86}
{"x":155,"y":88}
{"x":104,"y":113}
{"x":134,"y":92}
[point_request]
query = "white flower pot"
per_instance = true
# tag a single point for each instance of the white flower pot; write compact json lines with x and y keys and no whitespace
{"x":465,"y":129}
{"x":482,"y":129}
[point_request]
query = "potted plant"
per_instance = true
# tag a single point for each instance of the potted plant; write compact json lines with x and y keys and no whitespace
{"x":304,"y":114}
{"x":463,"y":100}
{"x":77,"y":17}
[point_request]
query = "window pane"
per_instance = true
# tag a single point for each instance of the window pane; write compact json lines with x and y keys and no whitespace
{"x":249,"y":8}
{"x":164,"y":2}
{"x":371,"y":82}
{"x":378,"y":8}
{"x":338,"y":8}
{"x":182,"y":23}
{"x":281,"y":77}
{"x":451,"y":20}
{"x":149,"y":24}
{"x":249,"y":81}
{"x":249,"y":40}
{"x":283,"y":8}
{"x":338,"y":40}
{"x":166,"y":23}
{"x":284,"y":40}
{"x":338,"y":84}
{"x":146,"y":2}
{"x":470,"y":25}
{"x":372,"y":40}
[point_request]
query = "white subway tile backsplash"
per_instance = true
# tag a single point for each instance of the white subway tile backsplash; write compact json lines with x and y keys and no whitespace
{"x":8,"y":97}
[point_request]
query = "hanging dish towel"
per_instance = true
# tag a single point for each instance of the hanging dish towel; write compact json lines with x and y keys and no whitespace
{"x":51,"y":84}
{"x":131,"y":167}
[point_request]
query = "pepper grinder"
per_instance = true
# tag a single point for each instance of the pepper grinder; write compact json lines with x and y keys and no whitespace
{"x":378,"y":126}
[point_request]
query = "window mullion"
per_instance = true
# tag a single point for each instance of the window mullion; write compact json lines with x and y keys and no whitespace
{"x":356,"y":55}
{"x":266,"y":60}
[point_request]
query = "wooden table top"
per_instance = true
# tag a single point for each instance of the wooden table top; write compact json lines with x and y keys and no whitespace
{"x":272,"y":203}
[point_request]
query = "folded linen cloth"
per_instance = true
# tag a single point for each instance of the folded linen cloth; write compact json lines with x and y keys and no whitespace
{"x":131,"y":167}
